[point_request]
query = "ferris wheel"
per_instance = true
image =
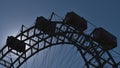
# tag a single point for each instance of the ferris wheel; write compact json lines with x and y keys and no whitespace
{"x":60,"y":44}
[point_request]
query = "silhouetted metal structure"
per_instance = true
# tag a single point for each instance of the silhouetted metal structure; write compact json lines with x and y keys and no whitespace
{"x":74,"y":20}
{"x":16,"y":44}
{"x":106,"y":39}
{"x":40,"y":36}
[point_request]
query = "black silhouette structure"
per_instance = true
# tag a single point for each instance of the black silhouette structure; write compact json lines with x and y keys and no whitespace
{"x":68,"y":31}
{"x":106,"y":39}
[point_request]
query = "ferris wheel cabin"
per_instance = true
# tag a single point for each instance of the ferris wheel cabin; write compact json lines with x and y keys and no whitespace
{"x":44,"y":25}
{"x":106,"y":39}
{"x":76,"y":21}
{"x":15,"y":44}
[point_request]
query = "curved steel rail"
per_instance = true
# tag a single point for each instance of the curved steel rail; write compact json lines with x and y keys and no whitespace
{"x":91,"y":52}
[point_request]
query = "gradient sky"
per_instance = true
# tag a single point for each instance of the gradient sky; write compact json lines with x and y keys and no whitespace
{"x":14,"y":13}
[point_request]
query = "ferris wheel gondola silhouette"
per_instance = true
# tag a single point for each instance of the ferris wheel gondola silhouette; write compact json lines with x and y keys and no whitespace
{"x":94,"y":48}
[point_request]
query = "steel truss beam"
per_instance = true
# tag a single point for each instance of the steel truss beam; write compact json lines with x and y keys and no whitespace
{"x":92,"y":53}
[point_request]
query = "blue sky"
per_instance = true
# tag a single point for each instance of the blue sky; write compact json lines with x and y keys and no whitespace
{"x":14,"y":13}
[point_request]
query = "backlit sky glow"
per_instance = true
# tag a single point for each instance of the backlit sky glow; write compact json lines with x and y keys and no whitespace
{"x":14,"y":13}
